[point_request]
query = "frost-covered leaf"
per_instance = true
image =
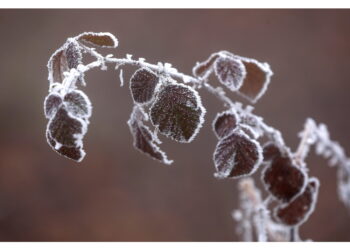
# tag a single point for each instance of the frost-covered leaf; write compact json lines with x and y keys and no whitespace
{"x":257,"y":78}
{"x":144,"y":141}
{"x":74,"y":153}
{"x":78,"y":104}
{"x":142,"y":85}
{"x":65,"y":129}
{"x":203,"y":69}
{"x":237,"y":155}
{"x":224,"y":123}
{"x":102,"y":39}
{"x":57,"y":65}
{"x":271,"y":151}
{"x":283,"y":179}
{"x":65,"y":58}
{"x":298,"y":210}
{"x":177,"y":112}
{"x":51,"y":104}
{"x":230,"y":71}
{"x":73,"y":54}
{"x":249,"y":122}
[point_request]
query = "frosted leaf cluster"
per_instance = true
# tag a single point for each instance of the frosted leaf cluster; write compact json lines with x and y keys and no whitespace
{"x":246,"y":76}
{"x":166,"y":102}
{"x":68,"y":116}
{"x":67,"y":108}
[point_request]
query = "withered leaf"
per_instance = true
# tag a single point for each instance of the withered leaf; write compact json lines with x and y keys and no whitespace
{"x":256,"y":80}
{"x":177,"y":112}
{"x":78,"y":104}
{"x":298,"y":210}
{"x":237,"y":155}
{"x":142,"y":85}
{"x":203,"y":69}
{"x":51,"y":104}
{"x":74,"y":153}
{"x":230,"y":71}
{"x":102,"y":39}
{"x":65,"y":129}
{"x":57,"y":65}
{"x":224,"y":123}
{"x":144,"y":141}
{"x":284,"y":180}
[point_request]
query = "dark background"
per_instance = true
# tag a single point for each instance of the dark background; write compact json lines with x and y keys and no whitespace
{"x":118,"y":194}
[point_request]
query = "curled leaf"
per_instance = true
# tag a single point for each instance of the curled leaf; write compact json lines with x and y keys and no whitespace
{"x":230,"y":71}
{"x":142,"y":85}
{"x":66,"y":129}
{"x":51,"y":104}
{"x":224,"y":123}
{"x":57,"y":65}
{"x":65,"y":58}
{"x":78,"y":104}
{"x":283,"y":179}
{"x":256,"y":80}
{"x":177,"y":112}
{"x":237,"y":155}
{"x":298,"y":210}
{"x":145,"y":141}
{"x":101,"y":39}
{"x":203,"y":69}
{"x":74,"y":153}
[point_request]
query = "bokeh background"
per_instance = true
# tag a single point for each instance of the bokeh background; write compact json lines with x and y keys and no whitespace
{"x":118,"y":194}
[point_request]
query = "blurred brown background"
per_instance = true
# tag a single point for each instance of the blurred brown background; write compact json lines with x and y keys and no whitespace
{"x":118,"y":194}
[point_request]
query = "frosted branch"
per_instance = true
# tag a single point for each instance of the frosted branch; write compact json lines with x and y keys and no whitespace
{"x":331,"y":150}
{"x":253,"y":217}
{"x":235,"y":73}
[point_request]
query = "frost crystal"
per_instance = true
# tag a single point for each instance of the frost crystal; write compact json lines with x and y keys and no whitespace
{"x":121,"y":78}
{"x":237,"y":155}
{"x":177,"y":112}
